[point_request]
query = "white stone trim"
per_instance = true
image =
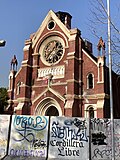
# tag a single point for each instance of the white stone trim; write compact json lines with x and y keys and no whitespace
{"x":50,"y":15}
{"x":69,"y":104}
{"x":19,"y":106}
{"x":46,"y":41}
{"x":26,"y":48}
{"x":57,"y":72}
{"x":89,"y":57}
{"x":71,"y":53}
{"x":44,"y":104}
{"x":88,"y":80}
{"x":52,"y":91}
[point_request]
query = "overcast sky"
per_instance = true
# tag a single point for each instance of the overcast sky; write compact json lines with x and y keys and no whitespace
{"x":20,"y":18}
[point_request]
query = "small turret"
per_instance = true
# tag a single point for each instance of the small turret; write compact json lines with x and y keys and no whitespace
{"x":101,"y":47}
{"x":14,"y":63}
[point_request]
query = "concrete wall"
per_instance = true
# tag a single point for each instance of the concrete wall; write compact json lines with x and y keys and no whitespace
{"x":42,"y":137}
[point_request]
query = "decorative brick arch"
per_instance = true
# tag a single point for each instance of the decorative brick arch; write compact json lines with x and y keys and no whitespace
{"x":52,"y":34}
{"x":46,"y":105}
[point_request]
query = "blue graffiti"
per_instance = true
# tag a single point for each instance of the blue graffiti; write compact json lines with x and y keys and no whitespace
{"x":25,"y":125}
{"x":29,"y":137}
{"x":37,"y":123}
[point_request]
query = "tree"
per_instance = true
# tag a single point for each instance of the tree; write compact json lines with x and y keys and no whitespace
{"x":98,"y":23}
{"x":3,"y":99}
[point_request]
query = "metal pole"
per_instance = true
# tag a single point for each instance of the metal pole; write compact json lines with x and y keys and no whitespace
{"x":90,"y":138}
{"x":110,"y":81}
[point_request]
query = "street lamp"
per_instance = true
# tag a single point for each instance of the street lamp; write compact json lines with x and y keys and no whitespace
{"x":110,"y":79}
{"x":2,"y":43}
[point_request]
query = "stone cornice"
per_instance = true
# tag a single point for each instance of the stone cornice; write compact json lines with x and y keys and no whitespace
{"x":23,"y":99}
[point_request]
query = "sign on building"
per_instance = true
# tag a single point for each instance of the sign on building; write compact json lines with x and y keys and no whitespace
{"x":69,"y":138}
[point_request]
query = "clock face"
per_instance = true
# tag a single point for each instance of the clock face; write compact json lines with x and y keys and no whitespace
{"x":53,"y":52}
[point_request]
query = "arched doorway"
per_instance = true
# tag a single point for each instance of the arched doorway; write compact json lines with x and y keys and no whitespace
{"x":48,"y":107}
{"x":52,"y":111}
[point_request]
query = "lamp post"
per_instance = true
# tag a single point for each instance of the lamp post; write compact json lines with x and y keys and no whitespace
{"x":2,"y":43}
{"x":110,"y":80}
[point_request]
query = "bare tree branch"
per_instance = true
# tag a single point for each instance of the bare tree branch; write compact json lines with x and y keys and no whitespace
{"x":98,"y":26}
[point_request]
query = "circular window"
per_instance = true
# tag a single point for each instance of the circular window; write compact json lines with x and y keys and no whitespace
{"x":51,"y":25}
{"x":52,"y":50}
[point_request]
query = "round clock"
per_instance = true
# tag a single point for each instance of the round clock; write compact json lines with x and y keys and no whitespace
{"x":53,"y":51}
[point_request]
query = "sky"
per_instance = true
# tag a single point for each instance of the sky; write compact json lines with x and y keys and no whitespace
{"x":20,"y":18}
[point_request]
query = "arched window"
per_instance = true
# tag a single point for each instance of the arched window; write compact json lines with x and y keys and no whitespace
{"x":18,"y":88}
{"x":91,"y":112}
{"x":90,"y":81}
{"x":10,"y":83}
{"x":100,"y":74}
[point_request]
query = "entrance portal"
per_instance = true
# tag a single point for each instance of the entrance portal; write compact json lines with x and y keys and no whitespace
{"x":48,"y":107}
{"x":52,"y":111}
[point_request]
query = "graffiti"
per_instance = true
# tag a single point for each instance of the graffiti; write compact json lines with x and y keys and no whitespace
{"x":100,"y":132}
{"x":102,"y":139}
{"x":100,"y":124}
{"x":4,"y":129}
{"x":100,"y":154}
{"x":64,"y":147}
{"x":98,"y":138}
{"x":32,"y":153}
{"x":39,"y":144}
{"x":24,"y":125}
{"x":78,"y":133}
{"x":68,"y":137}
{"x":37,"y":123}
{"x":29,"y":136}
{"x":81,"y":124}
{"x":68,"y":152}
{"x":66,"y":143}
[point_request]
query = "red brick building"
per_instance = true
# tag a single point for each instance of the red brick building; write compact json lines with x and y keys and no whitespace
{"x":59,"y":75}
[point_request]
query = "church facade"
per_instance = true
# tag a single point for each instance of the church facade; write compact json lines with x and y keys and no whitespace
{"x":59,"y":75}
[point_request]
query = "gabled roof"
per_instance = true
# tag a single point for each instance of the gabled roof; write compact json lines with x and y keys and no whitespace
{"x":50,"y":16}
{"x":90,"y":55}
{"x":52,"y":91}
